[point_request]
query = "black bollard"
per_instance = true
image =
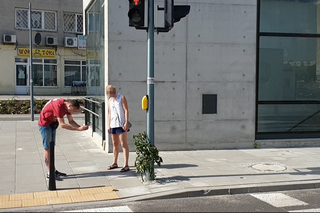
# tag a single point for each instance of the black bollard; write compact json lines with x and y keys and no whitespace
{"x":52,"y":177}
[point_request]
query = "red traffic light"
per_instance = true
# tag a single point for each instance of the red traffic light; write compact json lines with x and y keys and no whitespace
{"x":135,"y":2}
{"x":136,"y":13}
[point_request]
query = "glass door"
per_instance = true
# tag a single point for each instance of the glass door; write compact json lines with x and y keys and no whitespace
{"x":22,"y":79}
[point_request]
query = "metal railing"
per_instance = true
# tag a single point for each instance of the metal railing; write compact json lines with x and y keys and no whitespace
{"x":91,"y":108}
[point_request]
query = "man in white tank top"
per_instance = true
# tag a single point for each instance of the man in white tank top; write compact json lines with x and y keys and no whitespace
{"x":118,"y":126}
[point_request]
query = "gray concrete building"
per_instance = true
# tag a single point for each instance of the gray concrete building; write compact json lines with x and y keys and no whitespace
{"x":232,"y":74}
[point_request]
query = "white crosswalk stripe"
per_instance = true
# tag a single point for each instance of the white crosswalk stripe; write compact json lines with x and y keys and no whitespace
{"x":105,"y":209}
{"x":279,"y":199}
{"x":306,"y":210}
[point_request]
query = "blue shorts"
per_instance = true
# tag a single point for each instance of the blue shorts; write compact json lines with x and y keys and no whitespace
{"x":118,"y":130}
{"x":48,"y":134}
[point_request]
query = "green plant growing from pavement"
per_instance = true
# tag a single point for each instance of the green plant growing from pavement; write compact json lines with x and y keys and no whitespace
{"x":147,"y":155}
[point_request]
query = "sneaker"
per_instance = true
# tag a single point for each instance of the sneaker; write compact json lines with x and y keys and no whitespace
{"x":57,"y":177}
{"x":60,"y":173}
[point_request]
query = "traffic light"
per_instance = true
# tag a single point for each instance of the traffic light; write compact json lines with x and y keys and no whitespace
{"x":136,"y":13}
{"x":173,"y":13}
{"x":168,"y":14}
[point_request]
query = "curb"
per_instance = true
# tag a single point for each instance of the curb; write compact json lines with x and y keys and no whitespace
{"x":252,"y":188}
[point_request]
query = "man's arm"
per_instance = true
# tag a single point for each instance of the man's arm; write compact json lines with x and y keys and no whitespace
{"x":71,"y":121}
{"x":75,"y":127}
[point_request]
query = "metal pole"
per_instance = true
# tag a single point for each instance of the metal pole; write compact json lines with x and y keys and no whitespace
{"x":86,"y":113}
{"x":150,"y":78}
{"x":30,"y":69}
{"x":93,"y":104}
{"x":52,"y":177}
{"x":103,"y":123}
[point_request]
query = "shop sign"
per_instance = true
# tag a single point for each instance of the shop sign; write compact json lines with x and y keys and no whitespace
{"x":94,"y":55}
{"x":82,"y":42}
{"x":41,"y":53}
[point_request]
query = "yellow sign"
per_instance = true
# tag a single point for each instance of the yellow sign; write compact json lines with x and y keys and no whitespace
{"x":41,"y":53}
{"x":93,"y":55}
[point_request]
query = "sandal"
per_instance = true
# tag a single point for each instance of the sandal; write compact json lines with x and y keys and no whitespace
{"x":113,"y":166}
{"x":125,"y":169}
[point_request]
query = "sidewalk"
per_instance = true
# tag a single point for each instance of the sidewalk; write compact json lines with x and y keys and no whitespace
{"x":183,"y":173}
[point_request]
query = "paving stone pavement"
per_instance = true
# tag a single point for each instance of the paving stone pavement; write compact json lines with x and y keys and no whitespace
{"x":182,"y":174}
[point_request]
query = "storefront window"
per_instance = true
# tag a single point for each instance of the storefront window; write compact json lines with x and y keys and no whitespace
{"x":37,"y":75}
{"x":74,"y":71}
{"x":94,"y":16}
{"x":288,"y":69}
{"x":288,"y":72}
{"x":94,"y":73}
{"x":289,"y":16}
{"x":44,"y":72}
{"x":95,"y":51}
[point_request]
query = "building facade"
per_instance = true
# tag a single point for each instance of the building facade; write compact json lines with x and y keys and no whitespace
{"x":232,"y":74}
{"x":58,"y":44}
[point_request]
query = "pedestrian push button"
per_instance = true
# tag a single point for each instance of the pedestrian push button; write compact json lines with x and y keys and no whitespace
{"x":144,"y":102}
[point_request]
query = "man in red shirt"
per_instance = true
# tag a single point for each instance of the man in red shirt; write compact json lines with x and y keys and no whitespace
{"x":52,"y":116}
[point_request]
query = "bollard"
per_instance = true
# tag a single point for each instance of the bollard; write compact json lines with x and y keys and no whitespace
{"x":52,"y":177}
{"x":103,"y":123}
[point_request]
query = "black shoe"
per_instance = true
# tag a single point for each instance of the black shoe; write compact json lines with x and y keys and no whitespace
{"x":57,"y":177}
{"x":60,"y":173}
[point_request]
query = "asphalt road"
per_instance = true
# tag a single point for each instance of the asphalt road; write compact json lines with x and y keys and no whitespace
{"x":284,"y":201}
{"x":287,"y":201}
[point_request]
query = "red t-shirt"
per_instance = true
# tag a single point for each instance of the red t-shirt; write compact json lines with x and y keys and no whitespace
{"x":53,"y":109}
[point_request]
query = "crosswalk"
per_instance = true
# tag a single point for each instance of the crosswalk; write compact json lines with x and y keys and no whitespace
{"x":307,"y":210}
{"x":289,"y":202}
{"x":281,"y":200}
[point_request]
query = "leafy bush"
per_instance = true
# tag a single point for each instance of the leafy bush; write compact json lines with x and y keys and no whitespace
{"x":147,"y":155}
{"x":14,"y":106}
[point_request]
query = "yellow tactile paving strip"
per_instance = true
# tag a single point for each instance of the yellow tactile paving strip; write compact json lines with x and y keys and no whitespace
{"x":57,"y":197}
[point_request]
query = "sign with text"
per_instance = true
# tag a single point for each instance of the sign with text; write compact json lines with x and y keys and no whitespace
{"x":41,"y":53}
{"x":93,"y":55}
{"x":82,"y":42}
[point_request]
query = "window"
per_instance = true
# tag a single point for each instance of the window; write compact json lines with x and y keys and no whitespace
{"x":41,"y":20}
{"x":94,"y":72}
{"x":288,"y":73}
{"x":94,"y":22}
{"x":44,"y":72}
{"x":22,"y":19}
{"x":74,"y":71}
{"x":73,"y":22}
{"x":289,"y":16}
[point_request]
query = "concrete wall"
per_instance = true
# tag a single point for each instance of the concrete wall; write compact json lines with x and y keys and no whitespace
{"x":211,"y":51}
{"x":7,"y":69}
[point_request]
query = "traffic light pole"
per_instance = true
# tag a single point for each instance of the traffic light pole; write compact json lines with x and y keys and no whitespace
{"x":31,"y":67}
{"x":136,"y":14}
{"x":150,"y":78}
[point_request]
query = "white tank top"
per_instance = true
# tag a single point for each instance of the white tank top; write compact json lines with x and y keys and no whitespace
{"x":117,"y":112}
